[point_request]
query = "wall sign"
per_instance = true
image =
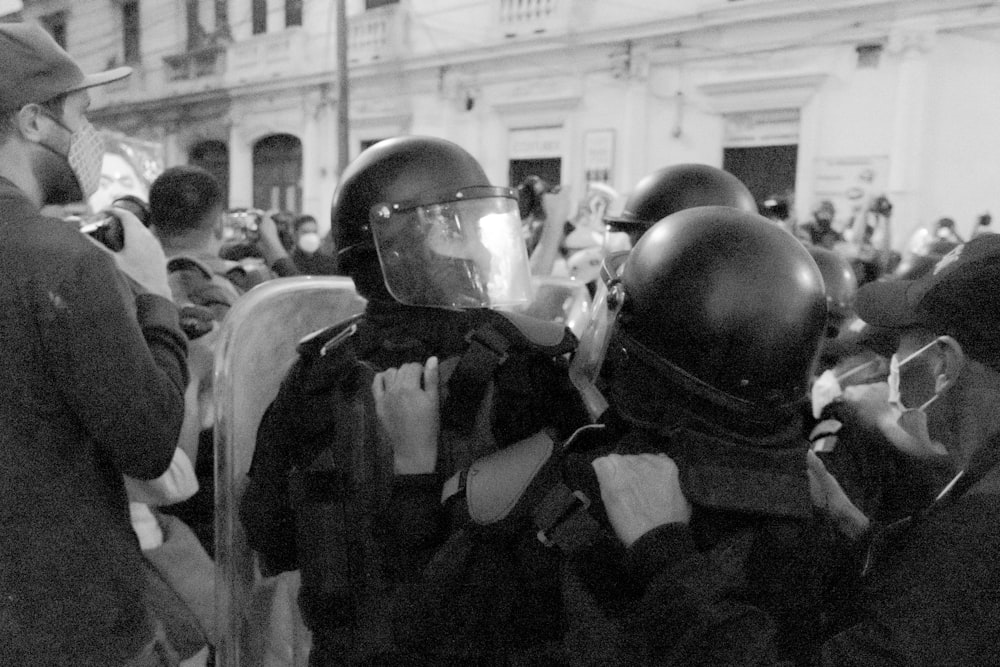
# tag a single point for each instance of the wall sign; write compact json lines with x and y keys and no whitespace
{"x":598,"y":155}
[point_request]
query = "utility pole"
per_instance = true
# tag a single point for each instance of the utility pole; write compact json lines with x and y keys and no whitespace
{"x":343,"y":103}
{"x":343,"y":96}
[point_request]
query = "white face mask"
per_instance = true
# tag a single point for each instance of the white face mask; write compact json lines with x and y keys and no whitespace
{"x":895,"y":365}
{"x":86,"y":156}
{"x":309,"y":242}
{"x":913,"y":420}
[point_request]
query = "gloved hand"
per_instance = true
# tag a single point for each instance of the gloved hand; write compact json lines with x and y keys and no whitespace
{"x":641,"y":492}
{"x":406,"y":402}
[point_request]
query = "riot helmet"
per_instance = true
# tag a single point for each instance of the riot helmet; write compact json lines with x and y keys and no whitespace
{"x":841,"y":285}
{"x":418,"y":222}
{"x":676,"y":188}
{"x":718,"y":303}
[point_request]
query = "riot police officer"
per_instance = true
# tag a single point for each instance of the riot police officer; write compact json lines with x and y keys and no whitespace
{"x":436,"y":251}
{"x":691,"y":492}
{"x":676,"y":188}
{"x":705,"y":338}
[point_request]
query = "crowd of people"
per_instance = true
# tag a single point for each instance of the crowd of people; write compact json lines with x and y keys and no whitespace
{"x":759,"y":450}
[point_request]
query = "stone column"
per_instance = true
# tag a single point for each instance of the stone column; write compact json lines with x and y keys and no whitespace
{"x":240,"y":165}
{"x":909,"y":41}
{"x":632,"y":154}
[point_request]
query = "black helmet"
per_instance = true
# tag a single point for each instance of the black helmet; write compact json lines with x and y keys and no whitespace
{"x":676,"y":188}
{"x":725,"y":305}
{"x":841,"y":287}
{"x":417,"y":221}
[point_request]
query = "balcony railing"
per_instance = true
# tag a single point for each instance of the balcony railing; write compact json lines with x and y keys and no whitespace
{"x":269,"y":56}
{"x":531,"y":17}
{"x":205,"y":61}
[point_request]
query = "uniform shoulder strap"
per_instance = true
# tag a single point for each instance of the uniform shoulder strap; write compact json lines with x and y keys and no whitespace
{"x":490,"y":344}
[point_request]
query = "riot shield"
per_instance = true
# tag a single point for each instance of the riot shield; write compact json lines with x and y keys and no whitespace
{"x":258,"y":619}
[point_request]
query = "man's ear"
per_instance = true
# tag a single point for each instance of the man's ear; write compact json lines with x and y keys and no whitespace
{"x":28,"y":120}
{"x":952,"y":365}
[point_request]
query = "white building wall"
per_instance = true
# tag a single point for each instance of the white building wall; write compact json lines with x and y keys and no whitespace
{"x":464,"y":71}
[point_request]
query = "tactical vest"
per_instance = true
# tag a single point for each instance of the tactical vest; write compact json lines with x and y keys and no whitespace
{"x":341,"y":472}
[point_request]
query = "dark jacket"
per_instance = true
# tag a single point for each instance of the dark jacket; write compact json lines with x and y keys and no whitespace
{"x":91,"y":387}
{"x":933,"y":595}
{"x":686,"y":594}
{"x":314,"y":264}
{"x":403,"y":515}
{"x":933,"y":598}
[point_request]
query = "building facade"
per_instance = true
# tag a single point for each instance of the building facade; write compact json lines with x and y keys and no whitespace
{"x":831,"y":100}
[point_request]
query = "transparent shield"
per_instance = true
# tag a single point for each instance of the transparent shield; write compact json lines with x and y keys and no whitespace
{"x":585,"y":369}
{"x":466,"y":253}
{"x":560,"y":300}
{"x":258,"y":618}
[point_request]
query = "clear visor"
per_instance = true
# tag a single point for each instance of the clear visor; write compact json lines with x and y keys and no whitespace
{"x":589,"y":358}
{"x":465,"y":253}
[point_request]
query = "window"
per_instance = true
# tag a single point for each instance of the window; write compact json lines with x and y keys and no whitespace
{"x":293,"y":12}
{"x":130,"y":31}
{"x":56,"y":25}
{"x":372,"y":4}
{"x":195,"y":33}
{"x":258,"y":16}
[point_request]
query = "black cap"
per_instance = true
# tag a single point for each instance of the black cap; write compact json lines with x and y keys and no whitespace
{"x":959,"y":298}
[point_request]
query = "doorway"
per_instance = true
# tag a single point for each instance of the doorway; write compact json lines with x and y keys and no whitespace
{"x":277,"y":173}
{"x":548,"y":169}
{"x":765,"y":170}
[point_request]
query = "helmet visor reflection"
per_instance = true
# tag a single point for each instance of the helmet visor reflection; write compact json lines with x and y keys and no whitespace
{"x":463,"y":253}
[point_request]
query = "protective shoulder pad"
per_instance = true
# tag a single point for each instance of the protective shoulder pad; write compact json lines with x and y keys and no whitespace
{"x":495,"y":483}
{"x":531,"y":332}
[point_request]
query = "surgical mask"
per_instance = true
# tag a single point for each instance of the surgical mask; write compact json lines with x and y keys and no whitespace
{"x":309,"y":242}
{"x":85,"y":155}
{"x":913,"y":420}
{"x":895,"y":368}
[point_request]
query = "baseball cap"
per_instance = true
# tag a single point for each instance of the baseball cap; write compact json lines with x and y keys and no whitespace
{"x":960,"y":298}
{"x":33,"y":68}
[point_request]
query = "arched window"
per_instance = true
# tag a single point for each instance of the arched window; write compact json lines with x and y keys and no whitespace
{"x":277,"y":173}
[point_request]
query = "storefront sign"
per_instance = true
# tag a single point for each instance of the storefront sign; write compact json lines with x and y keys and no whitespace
{"x":535,"y":142}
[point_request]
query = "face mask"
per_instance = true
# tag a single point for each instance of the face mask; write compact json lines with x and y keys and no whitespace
{"x":309,"y":242}
{"x":85,"y":155}
{"x":913,"y":420}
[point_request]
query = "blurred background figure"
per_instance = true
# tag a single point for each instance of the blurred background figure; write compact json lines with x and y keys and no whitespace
{"x":819,"y":231}
{"x":778,"y":208}
{"x":308,"y":254}
{"x":531,"y":207}
{"x":983,"y":225}
{"x":867,"y":242}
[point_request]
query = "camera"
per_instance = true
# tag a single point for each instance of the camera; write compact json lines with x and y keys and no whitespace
{"x":242,"y":225}
{"x":136,"y":206}
{"x":882,"y":206}
{"x":106,"y":228}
